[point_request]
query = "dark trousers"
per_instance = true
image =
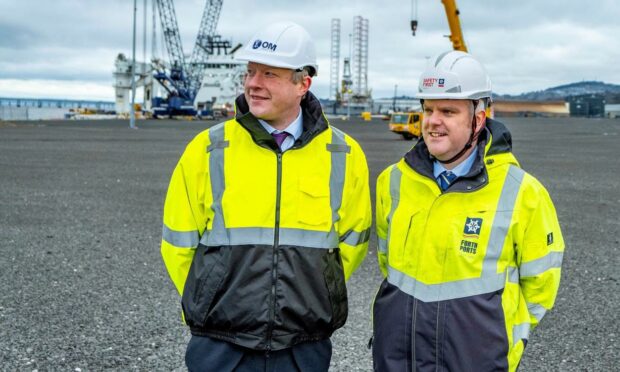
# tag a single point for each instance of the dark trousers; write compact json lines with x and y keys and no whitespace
{"x":208,"y":354}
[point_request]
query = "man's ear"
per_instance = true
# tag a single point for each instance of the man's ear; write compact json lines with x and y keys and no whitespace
{"x":305,"y":84}
{"x":481,"y":117}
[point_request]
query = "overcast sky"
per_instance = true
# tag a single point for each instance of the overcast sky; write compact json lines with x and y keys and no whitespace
{"x":67,"y":48}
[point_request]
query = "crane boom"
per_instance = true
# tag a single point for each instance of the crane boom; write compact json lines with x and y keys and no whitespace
{"x":456,"y":34}
{"x":206,"y":32}
{"x":452,"y":13}
{"x":185,"y":77}
{"x":172,"y":38}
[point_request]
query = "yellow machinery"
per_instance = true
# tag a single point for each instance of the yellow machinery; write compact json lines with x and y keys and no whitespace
{"x":407,"y":124}
{"x":456,"y":35}
{"x":452,"y":12}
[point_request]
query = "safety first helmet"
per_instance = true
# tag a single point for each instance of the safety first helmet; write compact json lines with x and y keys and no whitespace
{"x":282,"y":44}
{"x":454,"y":75}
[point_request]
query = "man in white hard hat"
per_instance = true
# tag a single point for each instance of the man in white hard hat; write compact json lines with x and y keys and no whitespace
{"x":469,"y":243}
{"x":266,"y":216}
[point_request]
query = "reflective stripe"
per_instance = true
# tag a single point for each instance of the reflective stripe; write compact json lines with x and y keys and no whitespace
{"x":354,"y":238}
{"x":489,"y":280}
{"x":382,"y":245}
{"x":338,"y":148}
{"x":447,"y":290}
{"x":537,"y":310}
{"x":180,"y":239}
{"x":264,"y":236}
{"x":513,"y":275}
{"x":336,"y":177}
{"x":217,"y":145}
{"x":520,"y":332}
{"x":309,"y":238}
{"x":501,"y":221}
{"x":538,"y":266}
{"x":395,"y":177}
{"x":216,"y":175}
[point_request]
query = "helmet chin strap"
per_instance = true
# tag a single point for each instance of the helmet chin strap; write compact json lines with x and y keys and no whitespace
{"x":469,"y":144}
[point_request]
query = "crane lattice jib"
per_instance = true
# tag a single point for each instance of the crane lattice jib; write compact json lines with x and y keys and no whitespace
{"x":200,"y":53}
{"x":172,"y":38}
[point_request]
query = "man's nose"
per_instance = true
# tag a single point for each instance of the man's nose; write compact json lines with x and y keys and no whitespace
{"x":432,"y":118}
{"x":252,"y":80}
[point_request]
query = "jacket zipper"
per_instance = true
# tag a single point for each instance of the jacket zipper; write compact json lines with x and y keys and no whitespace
{"x":276,"y":242}
{"x":437,"y":367}
{"x":413,"y":321}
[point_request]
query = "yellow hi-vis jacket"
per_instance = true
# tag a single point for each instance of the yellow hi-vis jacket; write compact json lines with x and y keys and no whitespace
{"x":259,"y":242}
{"x":469,"y":271}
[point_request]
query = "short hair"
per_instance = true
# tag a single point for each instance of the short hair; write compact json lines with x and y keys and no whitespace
{"x":300,"y":75}
{"x":481,"y":105}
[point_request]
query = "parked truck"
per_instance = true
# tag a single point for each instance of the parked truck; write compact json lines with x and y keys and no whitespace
{"x":407,"y":124}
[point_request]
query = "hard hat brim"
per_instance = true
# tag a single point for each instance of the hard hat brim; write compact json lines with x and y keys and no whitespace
{"x":463,"y":95}
{"x":269,"y":61}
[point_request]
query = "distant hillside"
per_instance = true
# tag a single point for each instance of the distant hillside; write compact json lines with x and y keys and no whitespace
{"x":610,"y":91}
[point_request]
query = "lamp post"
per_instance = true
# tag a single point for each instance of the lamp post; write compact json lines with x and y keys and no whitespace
{"x":132,"y":112}
{"x":394,"y":100}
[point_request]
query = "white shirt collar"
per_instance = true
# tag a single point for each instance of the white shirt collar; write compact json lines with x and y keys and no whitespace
{"x":295,"y":128}
{"x":460,"y":170}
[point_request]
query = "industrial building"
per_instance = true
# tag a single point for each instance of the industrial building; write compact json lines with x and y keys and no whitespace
{"x":531,"y":108}
{"x":587,"y":105}
{"x":612,"y":111}
{"x":48,"y":108}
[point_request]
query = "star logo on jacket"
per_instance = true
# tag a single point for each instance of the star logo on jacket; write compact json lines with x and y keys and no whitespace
{"x":472,"y":227}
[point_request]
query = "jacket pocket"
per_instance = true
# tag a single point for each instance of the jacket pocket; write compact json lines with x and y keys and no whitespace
{"x":334,"y":280}
{"x":204,"y":279}
{"x":403,"y":239}
{"x":314,"y":208}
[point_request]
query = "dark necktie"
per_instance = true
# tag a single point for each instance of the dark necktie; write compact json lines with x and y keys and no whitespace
{"x":445,"y":179}
{"x":279,"y":137}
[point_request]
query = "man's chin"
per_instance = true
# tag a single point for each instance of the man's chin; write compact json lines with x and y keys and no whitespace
{"x":260,"y":114}
{"x":439,"y":154}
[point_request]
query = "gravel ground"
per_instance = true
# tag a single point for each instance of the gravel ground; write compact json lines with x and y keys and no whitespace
{"x":84,"y":288}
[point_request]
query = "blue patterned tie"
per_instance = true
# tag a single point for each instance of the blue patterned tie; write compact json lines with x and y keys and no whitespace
{"x":445,"y":179}
{"x":279,"y":137}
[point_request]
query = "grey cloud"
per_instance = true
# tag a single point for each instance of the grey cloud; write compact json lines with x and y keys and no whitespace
{"x":17,"y":36}
{"x":525,"y":45}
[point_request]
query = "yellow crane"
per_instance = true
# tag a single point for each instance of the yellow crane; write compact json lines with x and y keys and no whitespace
{"x":452,"y":13}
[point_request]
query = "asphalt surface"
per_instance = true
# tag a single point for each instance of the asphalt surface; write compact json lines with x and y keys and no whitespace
{"x":83,"y":287}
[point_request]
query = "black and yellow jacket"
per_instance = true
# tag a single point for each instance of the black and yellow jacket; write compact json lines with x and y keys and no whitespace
{"x":259,"y":242}
{"x":470,"y":271}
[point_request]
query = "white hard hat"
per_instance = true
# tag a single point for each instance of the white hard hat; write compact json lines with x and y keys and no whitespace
{"x":454,"y":75}
{"x":282,"y":44}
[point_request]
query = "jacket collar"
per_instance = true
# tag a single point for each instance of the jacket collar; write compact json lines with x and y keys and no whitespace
{"x":313,"y":122}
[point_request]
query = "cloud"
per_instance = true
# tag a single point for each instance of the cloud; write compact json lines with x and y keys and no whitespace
{"x":525,"y":45}
{"x":39,"y":88}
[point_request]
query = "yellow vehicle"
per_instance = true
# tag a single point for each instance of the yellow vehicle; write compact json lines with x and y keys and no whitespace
{"x":407,"y":124}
